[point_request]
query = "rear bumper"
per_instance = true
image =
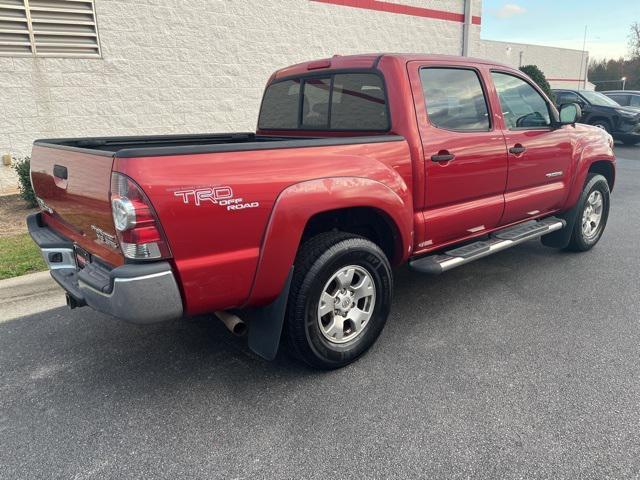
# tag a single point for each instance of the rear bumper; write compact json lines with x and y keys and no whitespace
{"x":139,"y":293}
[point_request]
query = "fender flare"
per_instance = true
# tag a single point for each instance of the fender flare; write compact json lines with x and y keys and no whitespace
{"x":299,"y":202}
{"x":585,"y":161}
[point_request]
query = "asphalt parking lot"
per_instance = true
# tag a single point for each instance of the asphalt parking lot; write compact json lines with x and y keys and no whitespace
{"x":524,"y":364}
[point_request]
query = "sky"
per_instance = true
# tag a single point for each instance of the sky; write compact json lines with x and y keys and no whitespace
{"x":561,"y":23}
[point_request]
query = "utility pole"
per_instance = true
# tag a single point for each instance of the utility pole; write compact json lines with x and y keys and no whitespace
{"x":466,"y":26}
{"x":586,"y":66}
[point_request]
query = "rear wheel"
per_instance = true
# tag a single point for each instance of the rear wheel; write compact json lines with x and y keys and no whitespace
{"x":630,"y":142}
{"x":339,"y":300}
{"x":592,"y":214}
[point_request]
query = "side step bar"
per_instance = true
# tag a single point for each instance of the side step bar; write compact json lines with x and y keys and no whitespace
{"x":497,"y":241}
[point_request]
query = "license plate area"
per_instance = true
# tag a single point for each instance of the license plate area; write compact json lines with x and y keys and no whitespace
{"x":83,"y":258}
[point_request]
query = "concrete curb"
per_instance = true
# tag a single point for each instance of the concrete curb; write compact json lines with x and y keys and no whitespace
{"x":29,"y":294}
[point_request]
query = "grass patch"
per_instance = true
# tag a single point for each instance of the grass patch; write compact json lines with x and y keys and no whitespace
{"x":19,"y":255}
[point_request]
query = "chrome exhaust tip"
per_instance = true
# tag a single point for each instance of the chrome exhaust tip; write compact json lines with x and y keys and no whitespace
{"x":234,"y":324}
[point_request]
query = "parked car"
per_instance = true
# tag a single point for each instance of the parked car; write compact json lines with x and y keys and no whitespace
{"x":626,"y":98}
{"x":623,"y":123}
{"x":359,"y":164}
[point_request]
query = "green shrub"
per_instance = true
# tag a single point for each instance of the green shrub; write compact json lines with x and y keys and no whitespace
{"x":26,"y":191}
{"x":538,"y":76}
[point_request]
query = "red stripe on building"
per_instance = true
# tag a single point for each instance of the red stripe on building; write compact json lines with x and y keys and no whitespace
{"x":390,"y":7}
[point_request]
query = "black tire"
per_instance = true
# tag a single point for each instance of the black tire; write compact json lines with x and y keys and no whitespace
{"x":317,"y":261}
{"x":603,"y":124}
{"x":580,"y":242}
{"x":630,"y":143}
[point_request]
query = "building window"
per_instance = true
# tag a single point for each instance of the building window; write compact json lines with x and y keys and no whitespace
{"x":48,"y":28}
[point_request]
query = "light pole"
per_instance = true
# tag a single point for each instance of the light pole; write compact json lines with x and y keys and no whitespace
{"x":624,"y":82}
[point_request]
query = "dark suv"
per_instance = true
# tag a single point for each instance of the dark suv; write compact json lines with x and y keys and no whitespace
{"x":623,"y":123}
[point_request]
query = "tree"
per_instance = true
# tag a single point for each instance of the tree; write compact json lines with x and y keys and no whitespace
{"x":607,"y":74}
{"x":538,"y":77}
{"x":634,"y":39}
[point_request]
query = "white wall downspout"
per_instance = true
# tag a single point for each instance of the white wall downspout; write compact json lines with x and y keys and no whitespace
{"x":466,"y":27}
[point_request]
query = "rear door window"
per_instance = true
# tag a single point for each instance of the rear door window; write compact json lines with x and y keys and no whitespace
{"x":621,"y":99}
{"x":342,"y":101}
{"x":454,"y":99}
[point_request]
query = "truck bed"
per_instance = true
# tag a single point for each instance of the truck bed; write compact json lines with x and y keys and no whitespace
{"x":72,"y":177}
{"x":160,"y":145}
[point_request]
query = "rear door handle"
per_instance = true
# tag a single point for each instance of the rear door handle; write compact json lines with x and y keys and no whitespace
{"x":517,"y":149}
{"x":443,"y":156}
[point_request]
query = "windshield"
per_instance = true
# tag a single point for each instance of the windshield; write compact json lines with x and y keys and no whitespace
{"x":599,"y":99}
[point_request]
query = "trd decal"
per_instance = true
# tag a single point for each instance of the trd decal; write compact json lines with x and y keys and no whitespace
{"x":222,"y":196}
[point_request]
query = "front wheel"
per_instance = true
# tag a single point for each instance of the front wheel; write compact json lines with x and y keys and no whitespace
{"x":603,"y":125}
{"x":339,"y":300}
{"x":592,"y":214}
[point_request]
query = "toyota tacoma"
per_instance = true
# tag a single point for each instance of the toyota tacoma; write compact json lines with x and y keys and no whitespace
{"x":358,"y":164}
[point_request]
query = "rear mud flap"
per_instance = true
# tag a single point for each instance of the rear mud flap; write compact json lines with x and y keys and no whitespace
{"x":265,"y":324}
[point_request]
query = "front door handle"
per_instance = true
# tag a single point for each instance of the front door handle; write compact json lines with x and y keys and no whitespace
{"x":443,"y":156}
{"x":517,"y":149}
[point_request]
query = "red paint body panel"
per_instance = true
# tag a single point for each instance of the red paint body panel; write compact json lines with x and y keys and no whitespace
{"x":79,"y":202}
{"x":465,"y":195}
{"x":239,"y":258}
{"x":297,"y":203}
{"x":216,"y":251}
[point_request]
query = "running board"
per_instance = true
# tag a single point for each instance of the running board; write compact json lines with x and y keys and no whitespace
{"x":497,"y":241}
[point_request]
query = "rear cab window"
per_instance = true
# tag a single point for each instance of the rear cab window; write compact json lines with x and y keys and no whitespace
{"x":330,"y":102}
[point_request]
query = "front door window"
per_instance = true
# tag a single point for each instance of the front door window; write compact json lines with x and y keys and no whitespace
{"x":522,"y":105}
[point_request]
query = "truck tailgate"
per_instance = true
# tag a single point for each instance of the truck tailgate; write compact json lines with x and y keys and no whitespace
{"x":73,"y":191}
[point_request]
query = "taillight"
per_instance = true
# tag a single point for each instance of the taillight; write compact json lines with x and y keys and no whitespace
{"x":136,"y":223}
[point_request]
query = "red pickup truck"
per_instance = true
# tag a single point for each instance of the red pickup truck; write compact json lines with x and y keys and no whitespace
{"x":359,"y":164}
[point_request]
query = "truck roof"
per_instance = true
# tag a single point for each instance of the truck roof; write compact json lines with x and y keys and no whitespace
{"x":370,"y":60}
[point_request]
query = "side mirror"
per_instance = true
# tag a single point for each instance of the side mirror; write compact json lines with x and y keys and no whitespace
{"x":570,"y":113}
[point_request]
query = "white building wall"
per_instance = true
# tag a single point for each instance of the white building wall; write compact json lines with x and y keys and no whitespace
{"x":564,"y":68}
{"x":180,"y":66}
